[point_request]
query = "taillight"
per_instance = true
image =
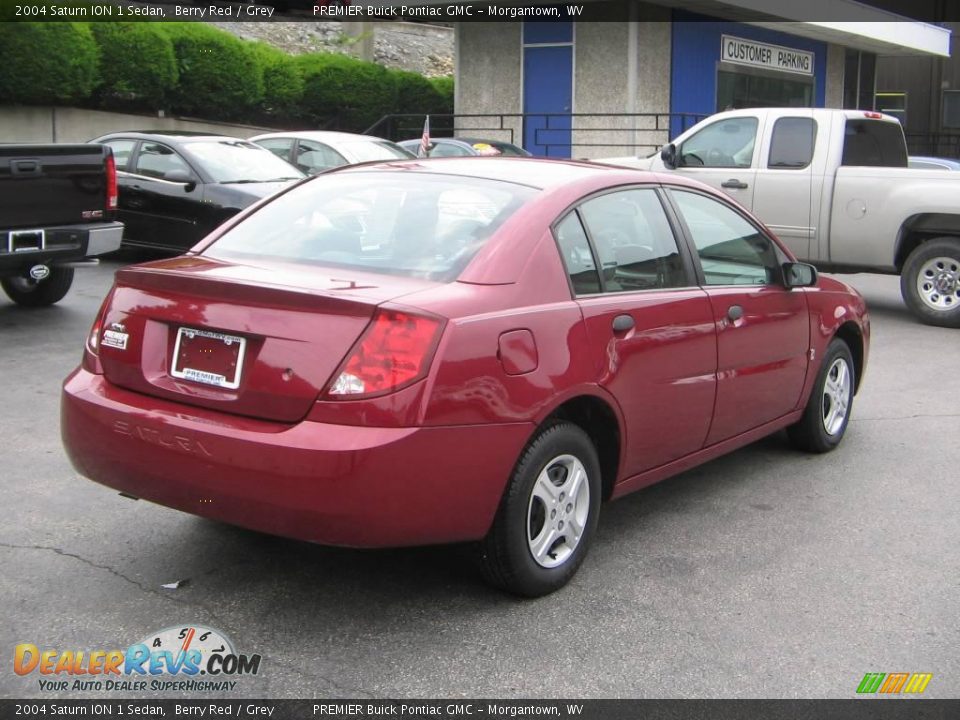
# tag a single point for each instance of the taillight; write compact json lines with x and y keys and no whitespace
{"x":394,"y":351}
{"x":111,"y":182}
{"x":91,"y":350}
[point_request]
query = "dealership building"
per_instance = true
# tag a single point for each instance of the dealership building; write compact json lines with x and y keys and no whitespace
{"x":590,"y":89}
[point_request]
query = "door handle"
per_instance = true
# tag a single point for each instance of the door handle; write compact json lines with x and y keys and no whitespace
{"x":622,"y":323}
{"x":734,"y":312}
{"x":734,"y":184}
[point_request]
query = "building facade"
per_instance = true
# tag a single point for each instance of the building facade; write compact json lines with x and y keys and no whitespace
{"x":595,"y":89}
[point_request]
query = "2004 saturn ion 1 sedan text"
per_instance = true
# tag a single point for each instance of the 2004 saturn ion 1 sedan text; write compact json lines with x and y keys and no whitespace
{"x":457,"y":350}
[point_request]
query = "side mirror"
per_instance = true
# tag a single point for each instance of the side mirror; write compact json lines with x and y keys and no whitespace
{"x":797,"y":274}
{"x":182,"y":177}
{"x":668,"y":154}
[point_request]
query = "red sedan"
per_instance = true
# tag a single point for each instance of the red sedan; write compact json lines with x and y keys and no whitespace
{"x":459,"y":350}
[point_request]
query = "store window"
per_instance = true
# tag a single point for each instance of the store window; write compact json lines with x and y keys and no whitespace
{"x":739,"y":89}
{"x":892,"y":103}
{"x":859,"y":79}
{"x":951,"y":108}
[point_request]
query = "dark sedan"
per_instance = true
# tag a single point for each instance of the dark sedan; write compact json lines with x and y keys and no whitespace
{"x":175,"y":187}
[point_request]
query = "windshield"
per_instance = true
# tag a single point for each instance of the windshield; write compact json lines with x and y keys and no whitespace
{"x":236,"y":161}
{"x":416,"y":225}
{"x":377,"y":150}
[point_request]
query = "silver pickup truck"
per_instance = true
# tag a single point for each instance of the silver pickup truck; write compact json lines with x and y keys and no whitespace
{"x":835,"y":187}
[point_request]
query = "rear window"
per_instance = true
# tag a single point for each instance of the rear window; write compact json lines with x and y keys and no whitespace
{"x":874,"y":143}
{"x":415,"y":225}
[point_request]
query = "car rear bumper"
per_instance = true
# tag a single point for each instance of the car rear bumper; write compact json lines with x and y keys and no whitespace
{"x":333,"y":484}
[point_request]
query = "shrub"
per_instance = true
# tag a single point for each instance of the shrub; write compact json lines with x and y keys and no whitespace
{"x":415,"y":94}
{"x":444,"y":87}
{"x":345,"y":93}
{"x":53,"y":62}
{"x":220,"y":78}
{"x":138,"y":65}
{"x":282,"y":82}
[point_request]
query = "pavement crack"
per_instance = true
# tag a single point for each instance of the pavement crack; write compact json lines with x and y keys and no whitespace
{"x":163,"y":594}
{"x":906,"y":417}
{"x":330,"y":681}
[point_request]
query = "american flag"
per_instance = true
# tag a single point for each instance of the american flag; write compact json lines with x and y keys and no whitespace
{"x":425,"y":139}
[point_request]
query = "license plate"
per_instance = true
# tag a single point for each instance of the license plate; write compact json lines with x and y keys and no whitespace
{"x":207,"y":357}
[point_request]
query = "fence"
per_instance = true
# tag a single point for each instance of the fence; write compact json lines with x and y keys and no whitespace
{"x":577,"y":135}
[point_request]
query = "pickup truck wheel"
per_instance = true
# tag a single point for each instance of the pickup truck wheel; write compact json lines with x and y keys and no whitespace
{"x":547,"y":516}
{"x":28,"y":292}
{"x":930,"y":282}
{"x":825,"y":418}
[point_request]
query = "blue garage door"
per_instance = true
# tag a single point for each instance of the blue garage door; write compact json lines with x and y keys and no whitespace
{"x":547,"y":87}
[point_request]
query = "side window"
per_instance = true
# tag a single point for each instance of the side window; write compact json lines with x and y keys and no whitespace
{"x":791,"y":146}
{"x":577,"y":256}
{"x":158,"y":161}
{"x":281,"y":147}
{"x":725,"y":143}
{"x":634,"y":241}
{"x":121,"y":151}
{"x":874,"y":143}
{"x":313,"y":157}
{"x":732,"y":251}
{"x":442,"y":149}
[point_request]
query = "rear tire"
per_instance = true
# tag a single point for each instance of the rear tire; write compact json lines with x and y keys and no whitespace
{"x":547,"y":515}
{"x":28,"y":292}
{"x":825,"y":419}
{"x":930,"y":282}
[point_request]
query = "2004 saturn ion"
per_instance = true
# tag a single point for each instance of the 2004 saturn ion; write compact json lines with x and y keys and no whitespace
{"x":459,"y":350}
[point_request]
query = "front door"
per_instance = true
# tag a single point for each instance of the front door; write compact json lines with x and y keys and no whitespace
{"x":763,"y":328}
{"x":721,"y":154}
{"x":547,"y":88}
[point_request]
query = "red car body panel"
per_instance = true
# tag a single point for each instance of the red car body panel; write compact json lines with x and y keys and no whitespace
{"x":429,"y":462}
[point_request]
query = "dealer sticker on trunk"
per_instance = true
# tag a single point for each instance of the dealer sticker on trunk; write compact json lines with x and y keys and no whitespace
{"x":115,"y":339}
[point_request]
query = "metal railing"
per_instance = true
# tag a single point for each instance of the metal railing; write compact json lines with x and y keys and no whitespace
{"x":618,"y":133}
{"x":938,"y":144}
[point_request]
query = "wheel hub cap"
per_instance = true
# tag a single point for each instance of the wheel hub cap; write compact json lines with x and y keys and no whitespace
{"x":837,"y":391}
{"x":557,"y":511}
{"x":938,"y":283}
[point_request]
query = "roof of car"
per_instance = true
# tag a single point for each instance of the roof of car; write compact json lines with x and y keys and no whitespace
{"x":535,"y":172}
{"x":328,"y":135}
{"x":169,"y":135}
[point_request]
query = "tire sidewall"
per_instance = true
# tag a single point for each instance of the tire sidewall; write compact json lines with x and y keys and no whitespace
{"x":908,"y":282}
{"x":552,"y":442}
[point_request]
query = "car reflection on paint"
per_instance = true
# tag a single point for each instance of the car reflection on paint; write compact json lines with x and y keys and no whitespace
{"x":459,"y":350}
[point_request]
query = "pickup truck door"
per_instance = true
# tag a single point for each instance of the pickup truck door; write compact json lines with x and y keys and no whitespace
{"x":721,"y":154}
{"x":763,"y":328}
{"x":789,"y":180}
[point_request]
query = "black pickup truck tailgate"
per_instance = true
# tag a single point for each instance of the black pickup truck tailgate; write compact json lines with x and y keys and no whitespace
{"x":44,"y":185}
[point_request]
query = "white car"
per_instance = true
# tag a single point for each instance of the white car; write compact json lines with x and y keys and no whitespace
{"x":313,"y":151}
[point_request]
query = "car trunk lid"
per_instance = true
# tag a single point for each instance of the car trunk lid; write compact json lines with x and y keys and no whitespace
{"x":260,"y":340}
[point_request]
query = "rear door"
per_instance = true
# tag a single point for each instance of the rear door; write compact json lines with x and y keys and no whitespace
{"x":651,"y":329}
{"x":763,"y":329}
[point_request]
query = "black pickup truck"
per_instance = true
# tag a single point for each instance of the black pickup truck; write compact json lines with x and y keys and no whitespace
{"x":58,"y":206}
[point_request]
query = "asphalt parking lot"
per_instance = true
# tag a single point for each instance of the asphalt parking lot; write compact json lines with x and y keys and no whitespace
{"x":767,"y":573}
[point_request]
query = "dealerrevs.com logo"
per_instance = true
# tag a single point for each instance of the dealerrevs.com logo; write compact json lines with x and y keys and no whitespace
{"x":182,"y":659}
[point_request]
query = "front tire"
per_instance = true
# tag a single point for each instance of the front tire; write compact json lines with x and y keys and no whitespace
{"x":28,"y":292}
{"x":930,"y":282}
{"x":825,"y":419}
{"x":547,"y":516}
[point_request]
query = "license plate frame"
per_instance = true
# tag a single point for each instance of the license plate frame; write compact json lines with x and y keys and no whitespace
{"x":179,"y":369}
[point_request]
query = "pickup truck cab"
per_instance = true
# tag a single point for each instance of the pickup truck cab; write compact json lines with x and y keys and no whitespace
{"x":58,"y":206}
{"x":835,"y":187}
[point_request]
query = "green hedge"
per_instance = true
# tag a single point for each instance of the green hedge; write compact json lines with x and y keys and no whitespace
{"x":282,"y":82}
{"x":47,"y":63}
{"x":219,"y":73}
{"x":138,"y":66}
{"x":197,"y":70}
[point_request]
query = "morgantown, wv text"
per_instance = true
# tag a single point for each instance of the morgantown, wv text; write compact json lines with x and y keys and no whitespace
{"x":347,"y":9}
